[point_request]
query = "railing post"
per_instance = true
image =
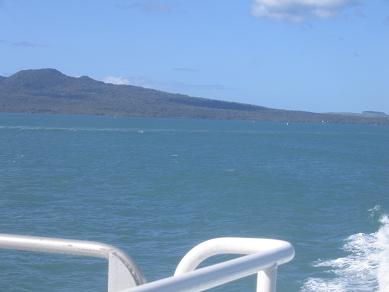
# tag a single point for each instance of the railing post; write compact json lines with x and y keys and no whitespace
{"x":119,"y":275}
{"x":266,"y":280}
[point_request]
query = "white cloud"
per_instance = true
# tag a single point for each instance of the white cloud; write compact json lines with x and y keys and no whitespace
{"x":118,"y":80}
{"x":298,"y":10}
{"x":168,"y":85}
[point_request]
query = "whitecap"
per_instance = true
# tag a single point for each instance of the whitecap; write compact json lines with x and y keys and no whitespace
{"x":365,"y":268}
{"x":374,"y":211}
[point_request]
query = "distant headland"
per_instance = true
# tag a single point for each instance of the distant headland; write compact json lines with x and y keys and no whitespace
{"x":50,"y":91}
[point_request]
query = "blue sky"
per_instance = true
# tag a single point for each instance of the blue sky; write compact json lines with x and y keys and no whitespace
{"x":316,"y":55}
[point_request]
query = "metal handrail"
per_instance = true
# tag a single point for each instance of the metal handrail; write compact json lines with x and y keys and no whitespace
{"x":264,"y":257}
{"x":122,"y":271}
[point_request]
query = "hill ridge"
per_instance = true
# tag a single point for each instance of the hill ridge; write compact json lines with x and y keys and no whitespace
{"x":50,"y":91}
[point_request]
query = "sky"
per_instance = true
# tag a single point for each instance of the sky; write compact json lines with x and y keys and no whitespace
{"x":314,"y":55}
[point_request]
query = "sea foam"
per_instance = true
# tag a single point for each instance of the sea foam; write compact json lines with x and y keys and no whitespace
{"x":365,"y":268}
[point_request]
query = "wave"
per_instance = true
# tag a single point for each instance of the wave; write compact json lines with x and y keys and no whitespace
{"x":365,"y":268}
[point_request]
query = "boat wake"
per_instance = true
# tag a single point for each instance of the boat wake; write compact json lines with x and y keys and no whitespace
{"x":365,"y":268}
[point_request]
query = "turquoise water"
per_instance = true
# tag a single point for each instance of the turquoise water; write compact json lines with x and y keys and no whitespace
{"x":157,"y":187}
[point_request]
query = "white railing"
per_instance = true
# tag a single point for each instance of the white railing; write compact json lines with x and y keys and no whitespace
{"x":122,"y":271}
{"x":264,"y":256}
{"x":261,"y":256}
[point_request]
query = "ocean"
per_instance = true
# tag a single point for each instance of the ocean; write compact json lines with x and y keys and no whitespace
{"x":157,"y":187}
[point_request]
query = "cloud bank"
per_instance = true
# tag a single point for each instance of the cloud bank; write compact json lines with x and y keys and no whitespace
{"x":298,"y":10}
{"x":118,"y":80}
{"x":22,"y":44}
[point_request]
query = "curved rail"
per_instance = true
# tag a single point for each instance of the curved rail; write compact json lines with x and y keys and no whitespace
{"x":264,"y":257}
{"x":122,"y":271}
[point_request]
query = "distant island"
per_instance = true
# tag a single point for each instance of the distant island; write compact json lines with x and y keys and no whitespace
{"x":50,"y":91}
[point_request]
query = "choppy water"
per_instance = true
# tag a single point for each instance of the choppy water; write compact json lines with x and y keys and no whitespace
{"x":157,"y":187}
